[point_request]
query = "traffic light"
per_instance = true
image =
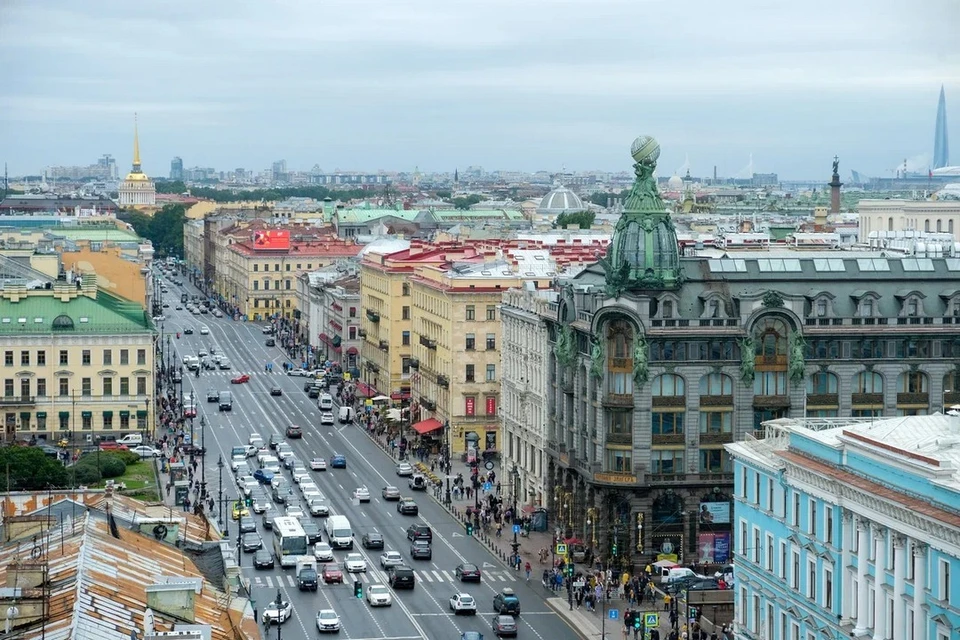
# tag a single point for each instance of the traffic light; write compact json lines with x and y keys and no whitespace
{"x":570,"y":569}
{"x":614,"y":550}
{"x":357,"y":588}
{"x":637,"y":620}
{"x":469,"y":529}
{"x":248,"y":501}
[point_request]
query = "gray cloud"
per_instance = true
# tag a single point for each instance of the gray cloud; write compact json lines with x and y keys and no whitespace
{"x":523,"y":84}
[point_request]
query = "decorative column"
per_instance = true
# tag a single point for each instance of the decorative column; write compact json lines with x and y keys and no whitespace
{"x":847,"y":538}
{"x":879,"y":600}
{"x":863,"y":553}
{"x":899,"y":580}
{"x":919,"y":590}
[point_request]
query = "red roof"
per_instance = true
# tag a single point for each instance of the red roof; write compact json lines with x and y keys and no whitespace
{"x":328,"y":246}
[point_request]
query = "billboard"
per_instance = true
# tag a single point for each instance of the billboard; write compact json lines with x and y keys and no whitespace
{"x":714,"y":548}
{"x":271,"y":240}
{"x":714,"y":513}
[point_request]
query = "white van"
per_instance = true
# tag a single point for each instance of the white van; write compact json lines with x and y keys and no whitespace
{"x":676,"y":574}
{"x":270,"y":463}
{"x":131,"y":439}
{"x":339,"y":532}
{"x":346,"y":415}
{"x":326,"y":402}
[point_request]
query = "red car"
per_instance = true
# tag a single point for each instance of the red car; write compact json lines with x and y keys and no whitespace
{"x":332,"y":573}
{"x":112,"y":446}
{"x":240,"y":379}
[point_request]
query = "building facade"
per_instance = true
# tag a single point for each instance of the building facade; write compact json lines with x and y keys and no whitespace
{"x":330,"y":321}
{"x":929,"y":216}
{"x":658,"y":361}
{"x":848,"y":528}
{"x":137,"y":190}
{"x":524,"y":391}
{"x":79,"y":363}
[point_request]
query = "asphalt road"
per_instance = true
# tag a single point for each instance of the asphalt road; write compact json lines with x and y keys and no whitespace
{"x":421,"y":613}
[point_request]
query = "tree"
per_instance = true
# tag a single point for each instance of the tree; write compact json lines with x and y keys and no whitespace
{"x":315,"y":192}
{"x":444,"y":195}
{"x":30,"y":469}
{"x":582,"y":218}
{"x":600,"y":198}
{"x":164,"y":228}
{"x":175,"y":186}
{"x":466,"y":202}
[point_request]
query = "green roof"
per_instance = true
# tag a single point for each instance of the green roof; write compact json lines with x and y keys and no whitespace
{"x":81,"y":315}
{"x":360,"y":216}
{"x":96,"y":234}
{"x":460,"y":214}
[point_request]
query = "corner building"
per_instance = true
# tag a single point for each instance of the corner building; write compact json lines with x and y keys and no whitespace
{"x":659,"y":360}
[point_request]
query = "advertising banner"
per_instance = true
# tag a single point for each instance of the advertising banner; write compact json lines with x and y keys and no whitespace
{"x":714,"y":513}
{"x":721,"y":547}
{"x":271,"y":240}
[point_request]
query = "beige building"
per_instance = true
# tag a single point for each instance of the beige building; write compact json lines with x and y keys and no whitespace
{"x":115,"y":271}
{"x":929,"y":216}
{"x":137,"y":190}
{"x":78,"y":363}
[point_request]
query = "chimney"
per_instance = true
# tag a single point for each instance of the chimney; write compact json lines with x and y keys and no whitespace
{"x":176,"y":596}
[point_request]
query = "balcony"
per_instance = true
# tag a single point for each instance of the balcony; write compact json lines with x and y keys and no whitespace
{"x":672,"y":438}
{"x":443,"y":381}
{"x":913,"y":399}
{"x":716,"y":401}
{"x":415,"y":363}
{"x":771,"y":401}
{"x":428,"y":404}
{"x":373,"y":316}
{"x":621,"y":364}
{"x":715,"y":438}
{"x":428,"y":343}
{"x":619,"y":438}
{"x":668,"y":401}
{"x":765,"y":362}
{"x":362,"y":333}
{"x":823,"y":400}
{"x":866,"y":398}
{"x":17,"y":401}
{"x":951,"y":398}
{"x":384,"y":345}
{"x":618,"y":400}
{"x":373,"y":366}
{"x":666,"y":478}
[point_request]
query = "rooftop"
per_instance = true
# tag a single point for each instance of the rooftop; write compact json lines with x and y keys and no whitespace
{"x":81,"y":314}
{"x":96,"y":234}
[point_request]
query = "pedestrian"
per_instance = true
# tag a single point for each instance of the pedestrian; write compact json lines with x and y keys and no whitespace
{"x":528,"y":568}
{"x":666,"y":602}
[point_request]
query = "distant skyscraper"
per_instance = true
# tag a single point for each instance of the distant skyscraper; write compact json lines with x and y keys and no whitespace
{"x":941,"y":143}
{"x":176,"y":169}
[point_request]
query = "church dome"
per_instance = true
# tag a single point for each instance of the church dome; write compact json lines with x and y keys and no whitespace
{"x":137,"y":177}
{"x":675,"y":183}
{"x":560,"y":200}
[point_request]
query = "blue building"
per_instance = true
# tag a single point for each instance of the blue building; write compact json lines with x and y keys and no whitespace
{"x":848,"y":528}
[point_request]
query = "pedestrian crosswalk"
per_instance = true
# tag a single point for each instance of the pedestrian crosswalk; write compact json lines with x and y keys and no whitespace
{"x":233,"y":373}
{"x":375,"y":576}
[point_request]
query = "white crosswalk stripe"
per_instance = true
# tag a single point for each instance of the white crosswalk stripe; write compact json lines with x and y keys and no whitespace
{"x":269,"y":582}
{"x":439,"y":577}
{"x":447,"y":575}
{"x":291,"y":581}
{"x":373,"y":576}
{"x":423,"y":576}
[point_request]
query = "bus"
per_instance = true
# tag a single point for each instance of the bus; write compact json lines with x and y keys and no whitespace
{"x":289,"y":541}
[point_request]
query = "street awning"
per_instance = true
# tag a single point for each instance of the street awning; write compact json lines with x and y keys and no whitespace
{"x":400,"y":395}
{"x":427,"y":426}
{"x":352,"y":351}
{"x":364,"y":389}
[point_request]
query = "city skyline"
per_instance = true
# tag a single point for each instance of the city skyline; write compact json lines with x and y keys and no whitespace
{"x":524,"y":87}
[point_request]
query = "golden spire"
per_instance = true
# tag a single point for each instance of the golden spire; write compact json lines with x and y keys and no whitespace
{"x":136,"y":146}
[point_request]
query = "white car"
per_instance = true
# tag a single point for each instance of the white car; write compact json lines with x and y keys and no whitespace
{"x":238,"y":461}
{"x":294,"y":511}
{"x":318,"y":464}
{"x":378,"y":596}
{"x":463,"y":603}
{"x":390,"y":559}
{"x":404,"y":469}
{"x":318,"y":507}
{"x":284,"y":451}
{"x":328,"y":620}
{"x":245,"y":480}
{"x":273,"y":614}
{"x":147,"y":452}
{"x":323,"y":552}
{"x":309,"y":486}
{"x":354,"y":563}
{"x":300,"y":474}
{"x":204,"y":330}
{"x":302,"y":373}
{"x":362,"y":494}
{"x":255,"y":440}
{"x":326,"y":418}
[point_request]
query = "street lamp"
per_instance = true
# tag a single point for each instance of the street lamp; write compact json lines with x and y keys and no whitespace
{"x":591,"y":526}
{"x":203,"y":458}
{"x":516,"y":521}
{"x":220,"y":494}
{"x":279,"y":609}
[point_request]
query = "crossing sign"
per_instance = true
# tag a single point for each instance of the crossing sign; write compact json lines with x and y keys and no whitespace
{"x":614,"y":614}
{"x":561,"y":549}
{"x":651,"y":620}
{"x":487,"y":486}
{"x":516,"y":528}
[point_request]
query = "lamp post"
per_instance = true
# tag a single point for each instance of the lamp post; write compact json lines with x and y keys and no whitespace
{"x":220,"y":495}
{"x":516,"y":521}
{"x":203,"y":458}
{"x":146,"y":409}
{"x":279,"y":609}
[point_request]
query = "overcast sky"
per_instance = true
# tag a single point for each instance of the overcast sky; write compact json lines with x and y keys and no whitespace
{"x":509,"y":84}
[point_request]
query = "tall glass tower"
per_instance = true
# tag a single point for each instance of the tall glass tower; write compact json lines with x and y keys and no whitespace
{"x":941,"y":144}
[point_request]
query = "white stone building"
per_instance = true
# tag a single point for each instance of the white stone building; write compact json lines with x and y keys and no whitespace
{"x":137,"y":190}
{"x":329,"y":304}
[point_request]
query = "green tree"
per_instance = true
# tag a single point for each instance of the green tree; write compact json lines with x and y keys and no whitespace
{"x":582,"y":218}
{"x":444,"y":195}
{"x":30,"y":469}
{"x":465,"y":202}
{"x":175,"y":186}
{"x":164,"y":228}
{"x":600,"y":198}
{"x":315,"y":192}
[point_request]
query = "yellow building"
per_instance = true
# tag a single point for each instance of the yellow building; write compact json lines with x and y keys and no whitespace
{"x":78,"y":363}
{"x":114,"y":271}
{"x":137,"y":189}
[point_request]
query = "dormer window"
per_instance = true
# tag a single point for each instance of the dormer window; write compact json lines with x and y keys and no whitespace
{"x":913,"y":307}
{"x":713,"y":309}
{"x":667,"y":308}
{"x":821,"y":308}
{"x":866,"y":308}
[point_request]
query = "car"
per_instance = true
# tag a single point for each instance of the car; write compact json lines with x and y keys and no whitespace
{"x":241,"y":379}
{"x":504,"y":626}
{"x":372,"y":540}
{"x":323,"y":552}
{"x":471,"y":635}
{"x":268,"y":329}
{"x":294,"y":511}
{"x":213,"y":395}
{"x":294,"y":431}
{"x":354,"y":563}
{"x":338,"y":461}
{"x":404,"y":469}
{"x":328,"y":620}
{"x":421,"y":550}
{"x":300,"y":473}
{"x":312,"y":529}
{"x":703,"y":584}
{"x":204,"y":330}
{"x":308,"y":486}
{"x":390,"y":559}
{"x":188,"y":331}
{"x":726,"y":574}
{"x":159,"y":318}
{"x":268,"y":520}
{"x":274,"y":613}
{"x":251,"y":542}
{"x":202,"y":353}
{"x":463,"y":603}
{"x":239,"y":510}
{"x":390,"y":493}
{"x":419,"y":532}
{"x":326,"y":418}
{"x":291,"y":462}
{"x":146,"y":452}
{"x":467,"y":572}
{"x":260,"y":500}
{"x":318,"y":464}
{"x":284,"y":451}
{"x":275,"y":440}
{"x":276,"y":391}
{"x":263,"y":476}
{"x":417,"y":483}
{"x":378,"y":596}
{"x":310,"y":384}
{"x":282,"y":495}
{"x":301,"y":373}
{"x":407,"y":507}
{"x":401,"y":577}
{"x":166,"y":305}
{"x":506,"y":602}
{"x":248,"y":524}
{"x":361,"y":494}
{"x":179,"y":307}
{"x":223,"y":364}
{"x":255,"y":440}
{"x":270,"y":342}
{"x":263,"y":559}
{"x":331,"y":573}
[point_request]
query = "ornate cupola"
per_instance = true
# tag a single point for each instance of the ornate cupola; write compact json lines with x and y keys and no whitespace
{"x":644,"y":252}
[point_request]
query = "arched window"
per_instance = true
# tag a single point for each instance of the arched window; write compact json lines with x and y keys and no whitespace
{"x":621,"y":340}
{"x":939,"y":226}
{"x":770,"y":335}
{"x":950,"y":226}
{"x":668,"y":385}
{"x":868,"y":382}
{"x":716,"y":384}
{"x":823,"y":383}
{"x":889,"y":224}
{"x":912,"y":382}
{"x":926,"y":225}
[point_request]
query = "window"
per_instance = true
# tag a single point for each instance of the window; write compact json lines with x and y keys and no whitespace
{"x":743,"y":538}
{"x":491,"y":373}
{"x":8,"y":358}
{"x":795,"y":569}
{"x":256,"y":267}
{"x":107,"y":420}
{"x":107,"y":357}
{"x":491,"y":341}
{"x":85,"y":357}
{"x":667,"y":423}
{"x":86,"y":386}
{"x":715,"y":461}
{"x":108,"y":386}
{"x":471,"y":313}
{"x":8,"y":387}
{"x":405,"y":366}
{"x":64,"y":386}
{"x":141,"y":385}
{"x":124,"y":357}
{"x":141,"y":356}
{"x":405,"y":289}
{"x":405,"y":338}
{"x":812,"y":517}
{"x":782,"y":569}
{"x":716,"y":384}
{"x":469,"y":373}
{"x":667,"y":461}
{"x":471,"y":342}
{"x":353,"y":312}
{"x":470,"y":405}
{"x":621,"y":422}
{"x":41,"y":358}
{"x":64,"y":357}
{"x":490,"y":402}
{"x":768,"y":557}
{"x":24,"y":358}
{"x":827,"y":587}
{"x":42,"y":387}
{"x":276,"y":267}
{"x":755,"y":546}
{"x":86,"y":421}
{"x":41,"y":422}
{"x":619,"y":460}
{"x":491,"y":312}
{"x":256,"y":285}
{"x":770,"y":383}
{"x":352,"y":332}
{"x":795,"y":519}
{"x":943,"y":582}
{"x":124,"y":386}
{"x":714,"y":422}
{"x":405,"y":313}
{"x":828,"y":523}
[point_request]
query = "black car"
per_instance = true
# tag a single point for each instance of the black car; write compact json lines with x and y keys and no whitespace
{"x":421,"y":550}
{"x":419,"y":532}
{"x":468,"y":572}
{"x":188,"y":331}
{"x":705,"y":584}
{"x":282,"y":494}
{"x":213,"y":395}
{"x":268,"y":520}
{"x":263,"y":559}
{"x":401,"y":577}
{"x":271,"y":342}
{"x":506,"y":602}
{"x":408,"y":507}
{"x":275,"y":439}
{"x":276,"y":391}
{"x":312,"y":529}
{"x":248,"y":525}
{"x":251,"y":542}
{"x":372,"y":540}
